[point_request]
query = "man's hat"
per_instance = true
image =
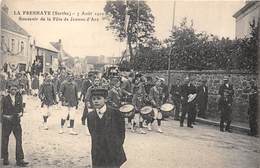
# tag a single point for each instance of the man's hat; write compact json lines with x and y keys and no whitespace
{"x":225,"y":78}
{"x":99,"y":92}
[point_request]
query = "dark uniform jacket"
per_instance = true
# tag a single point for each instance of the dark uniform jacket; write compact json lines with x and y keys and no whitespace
{"x":47,"y":94}
{"x":186,"y":90}
{"x":202,"y":97}
{"x":85,"y":85}
{"x":176,"y":92}
{"x":12,"y":110}
{"x":229,"y":90}
{"x":69,"y":94}
{"x":114,"y":97}
{"x":107,"y":136}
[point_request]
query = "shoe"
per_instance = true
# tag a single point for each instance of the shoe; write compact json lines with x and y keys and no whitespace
{"x":142,"y":131}
{"x":6,"y":162}
{"x":61,"y":131}
{"x":222,"y":130}
{"x":160,"y":130}
{"x":45,"y":127}
{"x":149,"y":127}
{"x":73,"y":132}
{"x":190,"y":126}
{"x":228,"y":130}
{"x":22,"y":163}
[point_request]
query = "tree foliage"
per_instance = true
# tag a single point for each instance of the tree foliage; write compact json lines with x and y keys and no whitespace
{"x":191,"y":50}
{"x":138,"y":29}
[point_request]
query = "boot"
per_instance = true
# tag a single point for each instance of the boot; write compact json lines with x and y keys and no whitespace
{"x":159,"y":129}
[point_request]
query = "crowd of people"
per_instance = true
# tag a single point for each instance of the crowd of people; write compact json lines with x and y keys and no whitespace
{"x":137,"y":98}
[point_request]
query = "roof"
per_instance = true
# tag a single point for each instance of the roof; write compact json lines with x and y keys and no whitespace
{"x":245,"y":8}
{"x":56,"y":45}
{"x":47,"y":46}
{"x":9,"y":24}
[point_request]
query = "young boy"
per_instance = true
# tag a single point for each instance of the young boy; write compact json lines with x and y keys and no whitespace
{"x":107,"y":129}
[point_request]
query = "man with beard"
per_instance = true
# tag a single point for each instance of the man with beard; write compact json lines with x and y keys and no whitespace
{"x":107,"y":129}
{"x":69,"y":99}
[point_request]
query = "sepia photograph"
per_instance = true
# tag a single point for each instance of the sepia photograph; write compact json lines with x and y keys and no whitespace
{"x":129,"y":83}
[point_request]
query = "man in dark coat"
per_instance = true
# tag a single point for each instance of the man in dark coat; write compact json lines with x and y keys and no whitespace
{"x":47,"y":96}
{"x":202,"y":99}
{"x":69,"y":98}
{"x":176,"y":98}
{"x":226,"y":93}
{"x":188,"y":105}
{"x":12,"y":111}
{"x":252,"y":109}
{"x":107,"y":129}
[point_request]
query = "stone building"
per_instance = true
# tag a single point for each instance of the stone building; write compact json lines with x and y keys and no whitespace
{"x":248,"y":14}
{"x":15,"y":43}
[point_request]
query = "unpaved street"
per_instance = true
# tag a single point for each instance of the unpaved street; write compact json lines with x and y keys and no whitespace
{"x":200,"y":147}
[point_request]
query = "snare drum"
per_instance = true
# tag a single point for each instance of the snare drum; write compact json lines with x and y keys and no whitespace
{"x":147,"y":112}
{"x":166,"y":109}
{"x":127,"y":110}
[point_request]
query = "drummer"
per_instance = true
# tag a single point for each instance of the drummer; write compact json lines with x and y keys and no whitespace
{"x":138,"y":102}
{"x":155,"y":96}
{"x":115,"y":92}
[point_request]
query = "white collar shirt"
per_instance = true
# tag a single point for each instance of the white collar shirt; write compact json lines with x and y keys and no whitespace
{"x":101,"y":111}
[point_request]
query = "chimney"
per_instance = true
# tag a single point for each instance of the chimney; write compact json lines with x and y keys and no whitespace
{"x":60,"y":41}
{"x":5,"y":9}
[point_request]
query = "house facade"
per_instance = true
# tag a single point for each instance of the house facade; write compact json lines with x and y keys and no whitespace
{"x":248,"y":14}
{"x":15,"y":43}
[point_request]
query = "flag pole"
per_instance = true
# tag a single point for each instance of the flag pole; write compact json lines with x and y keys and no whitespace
{"x":170,"y":52}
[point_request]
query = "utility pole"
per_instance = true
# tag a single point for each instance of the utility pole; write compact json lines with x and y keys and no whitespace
{"x":170,"y":52}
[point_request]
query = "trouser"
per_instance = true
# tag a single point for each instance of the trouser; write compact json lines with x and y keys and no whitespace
{"x":177,"y":105}
{"x":7,"y":129}
{"x":202,"y":109}
{"x":225,"y":117}
{"x":190,"y":109}
{"x":71,"y":111}
{"x":84,"y":115}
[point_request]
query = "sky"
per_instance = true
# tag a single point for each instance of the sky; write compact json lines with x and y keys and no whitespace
{"x":92,"y":39}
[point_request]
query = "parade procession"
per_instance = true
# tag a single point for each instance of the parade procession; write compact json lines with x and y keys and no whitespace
{"x":130,"y":84}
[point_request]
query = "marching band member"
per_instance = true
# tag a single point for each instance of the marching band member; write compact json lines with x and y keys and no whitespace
{"x":188,"y":94}
{"x":69,"y":98}
{"x":115,"y":93}
{"x":47,"y":96}
{"x":107,"y":129}
{"x":138,"y":102}
{"x":155,"y":96}
{"x":226,"y":93}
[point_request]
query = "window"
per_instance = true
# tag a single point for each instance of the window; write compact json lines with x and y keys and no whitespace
{"x":2,"y":41}
{"x":12,"y":45}
{"x":22,"y":46}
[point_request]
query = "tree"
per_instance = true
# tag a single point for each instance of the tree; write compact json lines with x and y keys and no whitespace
{"x":140,"y":22}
